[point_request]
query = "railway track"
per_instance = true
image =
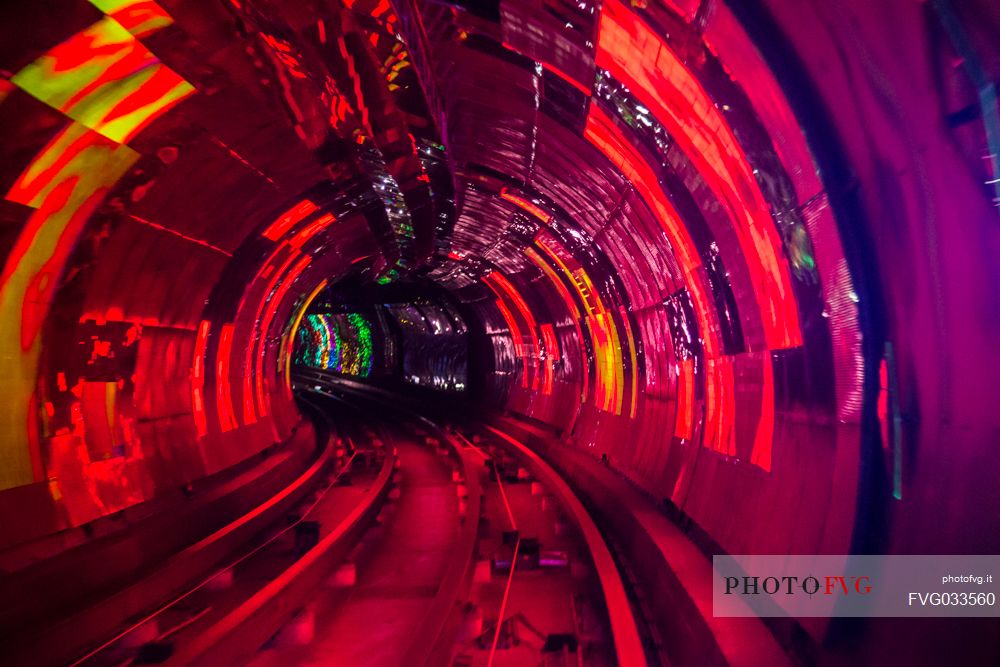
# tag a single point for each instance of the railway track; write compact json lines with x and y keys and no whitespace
{"x":408,"y":541}
{"x":340,"y":479}
{"x":540,"y":585}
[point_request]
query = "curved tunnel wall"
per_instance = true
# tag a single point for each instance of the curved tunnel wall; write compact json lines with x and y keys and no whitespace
{"x":666,"y":267}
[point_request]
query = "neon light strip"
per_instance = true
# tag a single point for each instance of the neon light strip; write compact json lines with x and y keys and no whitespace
{"x":198,"y":379}
{"x":567,"y":78}
{"x":604,"y":134}
{"x":223,"y":388}
{"x":720,"y":406}
{"x":255,"y":348}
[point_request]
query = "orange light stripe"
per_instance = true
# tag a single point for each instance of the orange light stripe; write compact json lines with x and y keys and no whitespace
{"x":528,"y":206}
{"x":287,"y":342}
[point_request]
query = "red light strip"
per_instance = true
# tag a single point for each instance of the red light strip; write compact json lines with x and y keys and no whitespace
{"x":198,"y":379}
{"x":635,"y":55}
{"x":764,"y":438}
{"x":223,"y":389}
{"x":608,"y":356}
{"x":604,"y":134}
{"x":249,"y":415}
{"x":289,"y":218}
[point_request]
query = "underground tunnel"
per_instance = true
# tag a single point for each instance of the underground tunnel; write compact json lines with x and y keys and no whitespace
{"x":499,"y":332}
